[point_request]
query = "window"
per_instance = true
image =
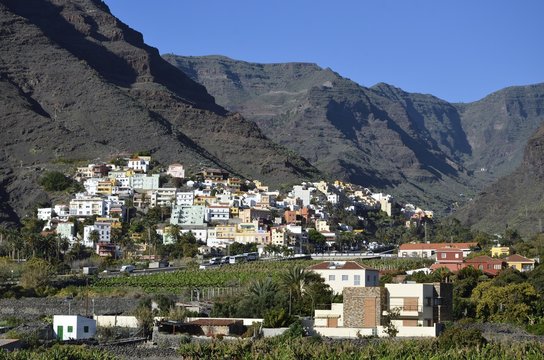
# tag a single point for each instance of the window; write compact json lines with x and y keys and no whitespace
{"x":356,"y":279}
{"x":428,"y":301}
{"x":344,"y":278}
{"x":457,"y":256}
{"x":85,"y":329}
{"x":443,"y":255}
{"x":70,"y":329}
{"x":331,"y":277}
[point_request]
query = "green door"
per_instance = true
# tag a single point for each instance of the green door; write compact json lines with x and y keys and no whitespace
{"x":59,"y":332}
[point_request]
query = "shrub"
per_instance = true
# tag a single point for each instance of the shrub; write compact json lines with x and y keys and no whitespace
{"x":55,"y":181}
{"x":459,"y":337}
{"x":275,"y":318}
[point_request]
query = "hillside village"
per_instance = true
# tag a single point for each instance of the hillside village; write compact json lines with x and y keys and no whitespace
{"x":215,"y":207}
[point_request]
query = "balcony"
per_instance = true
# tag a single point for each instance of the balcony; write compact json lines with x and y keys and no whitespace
{"x":404,"y":310}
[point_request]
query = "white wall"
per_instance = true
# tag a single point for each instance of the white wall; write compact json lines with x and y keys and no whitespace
{"x":367,"y":278}
{"x":113,"y":320}
{"x":412,"y":331}
{"x":77,"y":323}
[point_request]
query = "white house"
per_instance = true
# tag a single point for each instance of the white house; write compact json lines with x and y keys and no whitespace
{"x":144,"y":182}
{"x":185,"y":198}
{"x":85,"y":205}
{"x":333,"y":198}
{"x":139,"y":164}
{"x":73,"y":327}
{"x":91,"y":185}
{"x":341,"y":274}
{"x":104,"y":233}
{"x":163,"y":197}
{"x":45,"y":213}
{"x":217,"y":213}
{"x":302,"y":193}
{"x":176,"y":171}
{"x":188,"y":215}
{"x":67,"y":231}
{"x":62,"y":211}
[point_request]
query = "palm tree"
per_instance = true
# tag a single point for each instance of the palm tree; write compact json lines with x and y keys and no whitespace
{"x":294,"y":281}
{"x":263,"y":292}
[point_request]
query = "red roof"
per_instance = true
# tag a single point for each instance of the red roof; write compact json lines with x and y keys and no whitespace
{"x":436,"y":246}
{"x":451,"y":267}
{"x":519,"y":258}
{"x":339,"y":265}
{"x":484,"y":259}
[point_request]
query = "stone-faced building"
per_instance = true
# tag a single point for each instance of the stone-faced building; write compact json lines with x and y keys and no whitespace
{"x":417,"y":310}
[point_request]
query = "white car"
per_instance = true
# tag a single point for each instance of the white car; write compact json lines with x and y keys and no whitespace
{"x":127,"y":268}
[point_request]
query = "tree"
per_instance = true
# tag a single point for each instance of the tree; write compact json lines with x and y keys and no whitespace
{"x":37,"y":273}
{"x":55,"y":181}
{"x":6,"y":267}
{"x":263,"y":295}
{"x":94,"y":236}
{"x":389,"y":327}
{"x":510,"y":303}
{"x":306,"y":289}
{"x":317,"y":238}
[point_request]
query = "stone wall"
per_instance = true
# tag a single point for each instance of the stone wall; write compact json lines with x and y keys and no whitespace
{"x":354,"y":299}
{"x":30,"y":308}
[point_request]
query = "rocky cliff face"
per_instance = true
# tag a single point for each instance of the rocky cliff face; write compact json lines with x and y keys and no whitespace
{"x":499,"y":126}
{"x":416,"y":146}
{"x":516,"y":200}
{"x":76,"y":83}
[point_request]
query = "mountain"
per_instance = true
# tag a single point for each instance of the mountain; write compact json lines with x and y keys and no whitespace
{"x":78,"y":84}
{"x":516,"y":200}
{"x":418,"y":147}
{"x":499,"y":125}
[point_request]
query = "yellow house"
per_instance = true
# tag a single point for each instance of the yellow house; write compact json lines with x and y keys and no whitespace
{"x":520,"y":263}
{"x":260,"y":186}
{"x":114,"y":222}
{"x":105,"y":187}
{"x":498,"y":251}
{"x":226,"y":231}
{"x":234,"y":211}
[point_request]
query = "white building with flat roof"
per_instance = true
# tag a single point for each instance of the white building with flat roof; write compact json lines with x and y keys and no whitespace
{"x":73,"y":327}
{"x":341,"y":274}
{"x":188,"y":215}
{"x":87,"y":205}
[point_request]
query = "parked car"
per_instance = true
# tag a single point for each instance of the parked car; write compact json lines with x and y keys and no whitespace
{"x":215,"y":261}
{"x":237,"y":259}
{"x":225,"y":260}
{"x":90,"y":270}
{"x":127,"y":268}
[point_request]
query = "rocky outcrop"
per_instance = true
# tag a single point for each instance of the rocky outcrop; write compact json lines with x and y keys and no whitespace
{"x":514,"y":201}
{"x":78,"y":84}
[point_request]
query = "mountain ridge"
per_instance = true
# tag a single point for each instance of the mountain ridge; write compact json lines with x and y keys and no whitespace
{"x":73,"y":87}
{"x":335,"y":123}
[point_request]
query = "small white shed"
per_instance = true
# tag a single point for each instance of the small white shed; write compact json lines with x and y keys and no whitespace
{"x":73,"y":327}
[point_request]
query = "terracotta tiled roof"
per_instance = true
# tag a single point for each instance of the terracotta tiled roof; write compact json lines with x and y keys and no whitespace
{"x":339,"y":265}
{"x":451,"y":267}
{"x":436,"y":246}
{"x":519,"y":258}
{"x":484,"y":258}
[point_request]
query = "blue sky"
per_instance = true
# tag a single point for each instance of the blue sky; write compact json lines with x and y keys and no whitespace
{"x":457,"y":50}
